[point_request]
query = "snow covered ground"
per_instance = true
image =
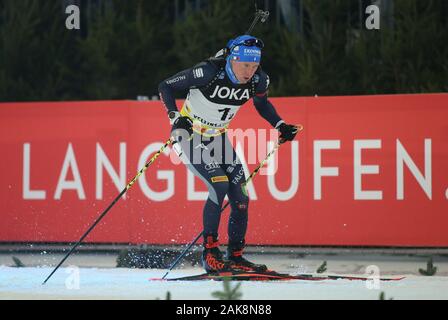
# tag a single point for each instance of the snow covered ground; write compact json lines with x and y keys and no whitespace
{"x":107,"y":282}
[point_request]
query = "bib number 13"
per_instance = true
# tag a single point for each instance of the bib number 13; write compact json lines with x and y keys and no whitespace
{"x":225,"y":114}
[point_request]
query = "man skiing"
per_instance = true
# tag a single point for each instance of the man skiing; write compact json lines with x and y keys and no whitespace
{"x":217,"y":88}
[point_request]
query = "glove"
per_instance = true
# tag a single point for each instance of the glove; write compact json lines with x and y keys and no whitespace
{"x":287,"y":132}
{"x":180,"y":124}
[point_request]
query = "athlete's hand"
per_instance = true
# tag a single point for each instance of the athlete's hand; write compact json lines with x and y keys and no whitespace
{"x":287,"y":132}
{"x":181,"y":125}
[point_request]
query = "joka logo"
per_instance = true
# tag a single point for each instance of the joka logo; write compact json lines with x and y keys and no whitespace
{"x":233,"y":94}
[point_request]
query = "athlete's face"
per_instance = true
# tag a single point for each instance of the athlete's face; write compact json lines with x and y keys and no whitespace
{"x":244,"y":71}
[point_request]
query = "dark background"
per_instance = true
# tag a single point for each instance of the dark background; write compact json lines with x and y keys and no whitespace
{"x":125,"y":48}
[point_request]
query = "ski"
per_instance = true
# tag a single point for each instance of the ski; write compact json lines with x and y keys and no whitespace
{"x":269,"y":276}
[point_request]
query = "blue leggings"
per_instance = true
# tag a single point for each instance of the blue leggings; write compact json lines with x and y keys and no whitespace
{"x":216,"y":163}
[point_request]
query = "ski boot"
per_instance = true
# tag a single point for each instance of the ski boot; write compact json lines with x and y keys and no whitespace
{"x":238,"y":263}
{"x":212,"y":258}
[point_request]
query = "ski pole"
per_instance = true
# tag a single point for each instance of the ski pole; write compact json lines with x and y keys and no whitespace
{"x":129,"y":185}
{"x":253,"y":174}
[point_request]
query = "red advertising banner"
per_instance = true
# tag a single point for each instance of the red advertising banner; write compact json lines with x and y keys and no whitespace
{"x":365,"y":171}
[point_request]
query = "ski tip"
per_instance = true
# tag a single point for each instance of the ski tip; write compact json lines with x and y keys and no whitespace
{"x":157,"y":279}
{"x":397,"y":279}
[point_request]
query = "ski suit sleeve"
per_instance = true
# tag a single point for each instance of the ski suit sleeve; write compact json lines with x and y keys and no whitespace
{"x":198,"y":76}
{"x":262,"y":104}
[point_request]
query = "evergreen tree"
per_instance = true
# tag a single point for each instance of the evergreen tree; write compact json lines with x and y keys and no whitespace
{"x":33,"y":50}
{"x":203,"y":33}
{"x":127,"y":47}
